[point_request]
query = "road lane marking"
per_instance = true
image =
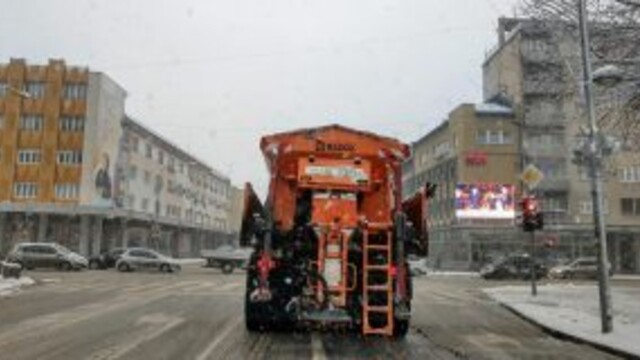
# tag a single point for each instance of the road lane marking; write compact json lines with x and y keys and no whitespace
{"x":120,"y":349}
{"x":228,"y":286}
{"x":50,"y":323}
{"x":317,"y":348}
{"x":216,"y":341}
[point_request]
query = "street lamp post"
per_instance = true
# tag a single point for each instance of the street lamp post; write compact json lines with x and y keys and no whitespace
{"x":593,"y":156}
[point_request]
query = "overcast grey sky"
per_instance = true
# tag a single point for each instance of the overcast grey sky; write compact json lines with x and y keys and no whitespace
{"x":213,"y":76}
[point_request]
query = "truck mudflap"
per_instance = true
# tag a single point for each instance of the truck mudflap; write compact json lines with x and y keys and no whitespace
{"x":402,"y":311}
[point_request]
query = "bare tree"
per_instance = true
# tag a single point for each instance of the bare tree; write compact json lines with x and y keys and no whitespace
{"x":614,"y":26}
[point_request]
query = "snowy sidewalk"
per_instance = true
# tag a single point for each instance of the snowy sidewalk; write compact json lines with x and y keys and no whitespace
{"x":574,"y":311}
{"x":11,"y":286}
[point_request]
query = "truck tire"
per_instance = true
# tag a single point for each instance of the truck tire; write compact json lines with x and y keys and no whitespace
{"x":227,"y":268}
{"x":254,"y":322}
{"x":401,"y":326}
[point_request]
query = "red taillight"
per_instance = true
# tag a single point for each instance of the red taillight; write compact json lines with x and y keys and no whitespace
{"x":265,"y":264}
{"x":393,"y":271}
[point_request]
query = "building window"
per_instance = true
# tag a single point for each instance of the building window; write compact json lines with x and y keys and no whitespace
{"x":161,"y":157}
{"x":145,"y":204}
{"x":554,"y":203}
{"x":25,"y":190}
{"x":135,"y":143}
{"x":133,"y":172}
{"x":71,"y":123}
{"x":1,"y":120}
{"x":629,"y":174}
{"x":31,"y":122}
{"x":493,"y":137}
{"x":586,"y":207}
{"x":69,"y":157}
{"x":74,"y":91}
{"x":35,"y":89}
{"x":3,"y":88}
{"x":172,"y":164}
{"x":67,"y":191}
{"x":29,"y":156}
{"x":131,"y":201}
{"x":147,"y":177}
{"x":630,"y":206}
{"x":149,"y":151}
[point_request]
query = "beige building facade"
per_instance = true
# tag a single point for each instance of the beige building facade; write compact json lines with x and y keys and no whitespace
{"x":476,"y":147}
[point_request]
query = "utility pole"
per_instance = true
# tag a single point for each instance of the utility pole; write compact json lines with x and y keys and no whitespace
{"x":594,"y":159}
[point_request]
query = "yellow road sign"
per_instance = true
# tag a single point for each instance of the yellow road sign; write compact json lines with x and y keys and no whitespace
{"x":532,"y":176}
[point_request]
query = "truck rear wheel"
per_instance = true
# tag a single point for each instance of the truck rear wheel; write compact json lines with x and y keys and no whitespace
{"x":400,"y":328}
{"x":227,"y":268}
{"x":253,"y":316}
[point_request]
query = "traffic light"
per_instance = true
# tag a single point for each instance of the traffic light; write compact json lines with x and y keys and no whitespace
{"x":532,"y":218}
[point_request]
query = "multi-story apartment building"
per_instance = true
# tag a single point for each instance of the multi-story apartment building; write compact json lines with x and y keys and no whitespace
{"x":159,"y":181}
{"x":75,"y":170}
{"x":473,"y":156}
{"x":535,"y":66}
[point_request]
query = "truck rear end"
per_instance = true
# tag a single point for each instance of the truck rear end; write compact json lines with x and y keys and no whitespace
{"x":329,"y":241}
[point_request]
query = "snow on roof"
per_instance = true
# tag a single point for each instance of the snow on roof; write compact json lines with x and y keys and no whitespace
{"x":489,"y":108}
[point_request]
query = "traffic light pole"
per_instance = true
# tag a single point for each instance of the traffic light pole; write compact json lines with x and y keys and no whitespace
{"x":534,"y":286}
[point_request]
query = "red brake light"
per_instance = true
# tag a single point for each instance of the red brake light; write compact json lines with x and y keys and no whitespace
{"x":393,"y":271}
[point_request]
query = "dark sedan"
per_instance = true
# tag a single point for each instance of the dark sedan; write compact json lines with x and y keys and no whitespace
{"x":512,"y":267}
{"x":106,"y":259}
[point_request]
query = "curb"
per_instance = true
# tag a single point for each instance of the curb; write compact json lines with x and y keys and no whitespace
{"x":573,"y":338}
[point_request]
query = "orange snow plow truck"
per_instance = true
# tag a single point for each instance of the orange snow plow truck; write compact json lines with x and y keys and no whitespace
{"x":331,"y":239}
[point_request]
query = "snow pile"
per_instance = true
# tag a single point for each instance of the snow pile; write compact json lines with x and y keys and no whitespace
{"x":575,"y":311}
{"x":11,"y":286}
{"x":452,"y":273}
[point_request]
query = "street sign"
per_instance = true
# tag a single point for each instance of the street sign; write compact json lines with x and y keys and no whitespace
{"x":532,"y":176}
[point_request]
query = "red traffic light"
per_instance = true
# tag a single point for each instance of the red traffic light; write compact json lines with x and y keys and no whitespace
{"x":531,"y":215}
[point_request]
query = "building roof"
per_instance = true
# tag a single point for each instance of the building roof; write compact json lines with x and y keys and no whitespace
{"x":491,"y":108}
{"x":131,"y":122}
{"x":443,"y":125}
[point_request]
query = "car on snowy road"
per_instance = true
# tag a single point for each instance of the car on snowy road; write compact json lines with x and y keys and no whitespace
{"x":106,"y":259}
{"x":583,"y":268}
{"x":146,"y":259}
{"x":512,"y":267}
{"x":46,"y":255}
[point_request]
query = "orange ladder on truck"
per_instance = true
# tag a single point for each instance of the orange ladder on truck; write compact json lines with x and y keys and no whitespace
{"x":377,"y":307}
{"x":334,"y":247}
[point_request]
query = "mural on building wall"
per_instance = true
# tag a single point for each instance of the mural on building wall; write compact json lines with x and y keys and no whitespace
{"x":102,"y":145}
{"x":485,"y":201}
{"x":103,"y":184}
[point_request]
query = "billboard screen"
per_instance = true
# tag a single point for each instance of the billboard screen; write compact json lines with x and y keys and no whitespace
{"x":485,"y":201}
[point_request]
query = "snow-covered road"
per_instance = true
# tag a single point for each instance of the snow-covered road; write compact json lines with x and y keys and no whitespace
{"x":574,"y":310}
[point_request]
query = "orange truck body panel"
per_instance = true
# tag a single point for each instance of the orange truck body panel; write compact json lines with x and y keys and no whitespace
{"x":309,"y":158}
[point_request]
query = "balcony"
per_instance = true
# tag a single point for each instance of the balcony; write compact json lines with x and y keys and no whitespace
{"x":550,"y":151}
{"x":535,"y":119}
{"x":547,"y":55}
{"x":542,"y":86}
{"x":553,"y":184}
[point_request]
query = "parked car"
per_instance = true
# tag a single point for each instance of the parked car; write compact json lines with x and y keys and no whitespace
{"x":106,"y":259}
{"x":146,"y":259}
{"x":585,"y":268}
{"x":512,"y":267}
{"x":417,"y":265}
{"x":46,"y":255}
{"x":227,"y":258}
